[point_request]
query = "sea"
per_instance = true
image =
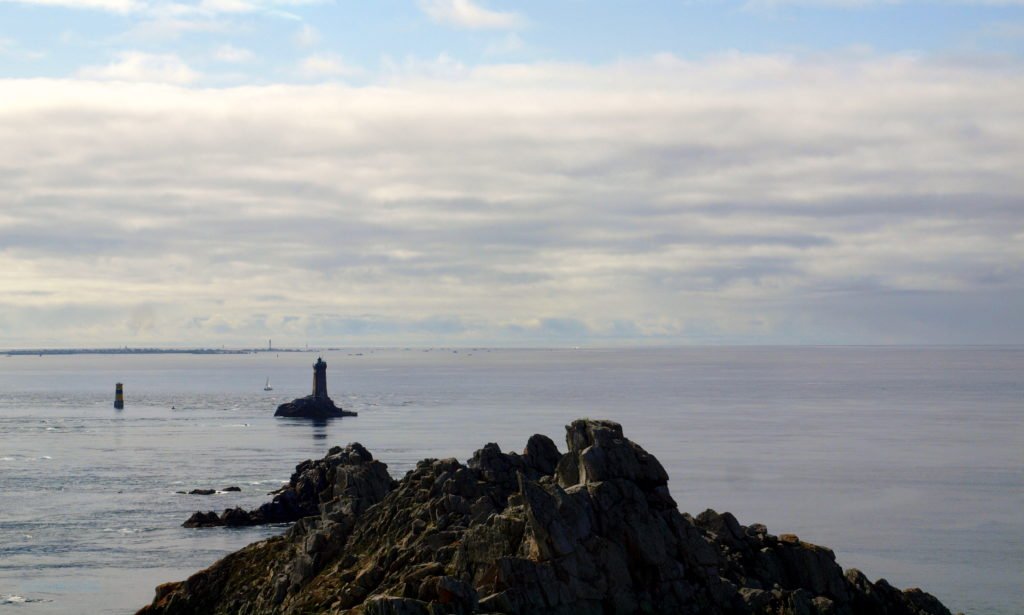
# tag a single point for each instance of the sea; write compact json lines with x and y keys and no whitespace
{"x":908,"y":462}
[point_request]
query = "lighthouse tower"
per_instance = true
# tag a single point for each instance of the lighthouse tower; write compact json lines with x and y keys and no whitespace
{"x":317,"y":405}
{"x":320,"y":379}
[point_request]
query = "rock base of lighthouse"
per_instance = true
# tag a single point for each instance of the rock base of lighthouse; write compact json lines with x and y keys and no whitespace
{"x":311,"y":407}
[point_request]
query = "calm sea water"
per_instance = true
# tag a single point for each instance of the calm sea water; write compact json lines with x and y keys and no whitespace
{"x":909,"y":462}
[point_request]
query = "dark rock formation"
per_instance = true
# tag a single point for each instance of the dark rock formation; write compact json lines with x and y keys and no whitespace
{"x":311,"y":407}
{"x":345,"y":477}
{"x":202,"y":492}
{"x":594,"y":531}
{"x":232,"y":488}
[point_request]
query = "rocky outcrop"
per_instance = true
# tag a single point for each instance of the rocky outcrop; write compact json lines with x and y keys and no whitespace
{"x":348,"y":478}
{"x":208,"y":491}
{"x":593,"y":531}
{"x":312,"y":407}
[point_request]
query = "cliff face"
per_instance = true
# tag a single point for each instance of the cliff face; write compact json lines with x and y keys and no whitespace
{"x":593,"y":531}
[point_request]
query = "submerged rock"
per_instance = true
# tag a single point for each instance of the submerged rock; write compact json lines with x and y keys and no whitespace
{"x":592,"y":531}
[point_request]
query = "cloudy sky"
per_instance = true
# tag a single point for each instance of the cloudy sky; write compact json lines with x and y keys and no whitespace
{"x":550,"y":172}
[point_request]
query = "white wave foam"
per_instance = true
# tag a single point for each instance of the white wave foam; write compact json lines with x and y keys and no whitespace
{"x":15,"y":599}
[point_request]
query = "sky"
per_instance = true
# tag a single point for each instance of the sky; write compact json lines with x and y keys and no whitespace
{"x":537,"y":173}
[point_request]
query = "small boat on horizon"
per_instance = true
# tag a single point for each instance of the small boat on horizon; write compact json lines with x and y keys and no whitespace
{"x":267,"y":386}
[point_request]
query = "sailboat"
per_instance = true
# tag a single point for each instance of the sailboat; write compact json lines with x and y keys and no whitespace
{"x":267,"y":386}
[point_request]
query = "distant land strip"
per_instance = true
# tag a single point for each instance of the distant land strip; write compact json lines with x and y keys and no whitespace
{"x":126,"y":350}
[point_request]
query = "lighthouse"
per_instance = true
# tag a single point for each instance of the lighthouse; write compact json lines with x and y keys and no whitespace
{"x":119,"y":396}
{"x":320,"y":379}
{"x":316,"y":405}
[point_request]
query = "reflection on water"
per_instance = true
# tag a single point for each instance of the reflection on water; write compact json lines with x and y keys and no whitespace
{"x":318,"y":427}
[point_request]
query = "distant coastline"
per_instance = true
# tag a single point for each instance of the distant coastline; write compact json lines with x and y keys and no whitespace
{"x":126,"y":350}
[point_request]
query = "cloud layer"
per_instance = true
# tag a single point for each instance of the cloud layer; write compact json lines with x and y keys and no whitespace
{"x":467,"y":14}
{"x":140,"y":66}
{"x":741,"y":198}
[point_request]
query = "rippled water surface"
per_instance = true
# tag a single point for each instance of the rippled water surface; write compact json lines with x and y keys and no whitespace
{"x":908,"y":462}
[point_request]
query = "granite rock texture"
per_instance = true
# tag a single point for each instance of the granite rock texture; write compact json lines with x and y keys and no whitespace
{"x":591,"y":531}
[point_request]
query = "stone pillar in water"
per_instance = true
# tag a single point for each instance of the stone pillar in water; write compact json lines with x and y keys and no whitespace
{"x":119,"y":396}
{"x":320,"y":379}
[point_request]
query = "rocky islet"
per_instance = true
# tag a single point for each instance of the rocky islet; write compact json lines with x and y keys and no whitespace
{"x":318,"y":404}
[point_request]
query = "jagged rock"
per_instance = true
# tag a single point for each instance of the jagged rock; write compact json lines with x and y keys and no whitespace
{"x":591,"y":531}
{"x":201,"y":519}
{"x":344,"y":482}
{"x":236,"y":517}
{"x":202,"y":492}
{"x":542,"y":454}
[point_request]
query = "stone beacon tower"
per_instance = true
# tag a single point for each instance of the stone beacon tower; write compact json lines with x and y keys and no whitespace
{"x":320,"y":379}
{"x":316,"y":405}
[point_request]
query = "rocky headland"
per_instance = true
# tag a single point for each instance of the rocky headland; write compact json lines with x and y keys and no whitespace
{"x":591,"y":531}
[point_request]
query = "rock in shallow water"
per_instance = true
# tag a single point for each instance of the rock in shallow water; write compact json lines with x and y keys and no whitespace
{"x":591,"y":531}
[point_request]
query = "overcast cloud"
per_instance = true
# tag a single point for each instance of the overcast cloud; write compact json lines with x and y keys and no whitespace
{"x":860,"y":198}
